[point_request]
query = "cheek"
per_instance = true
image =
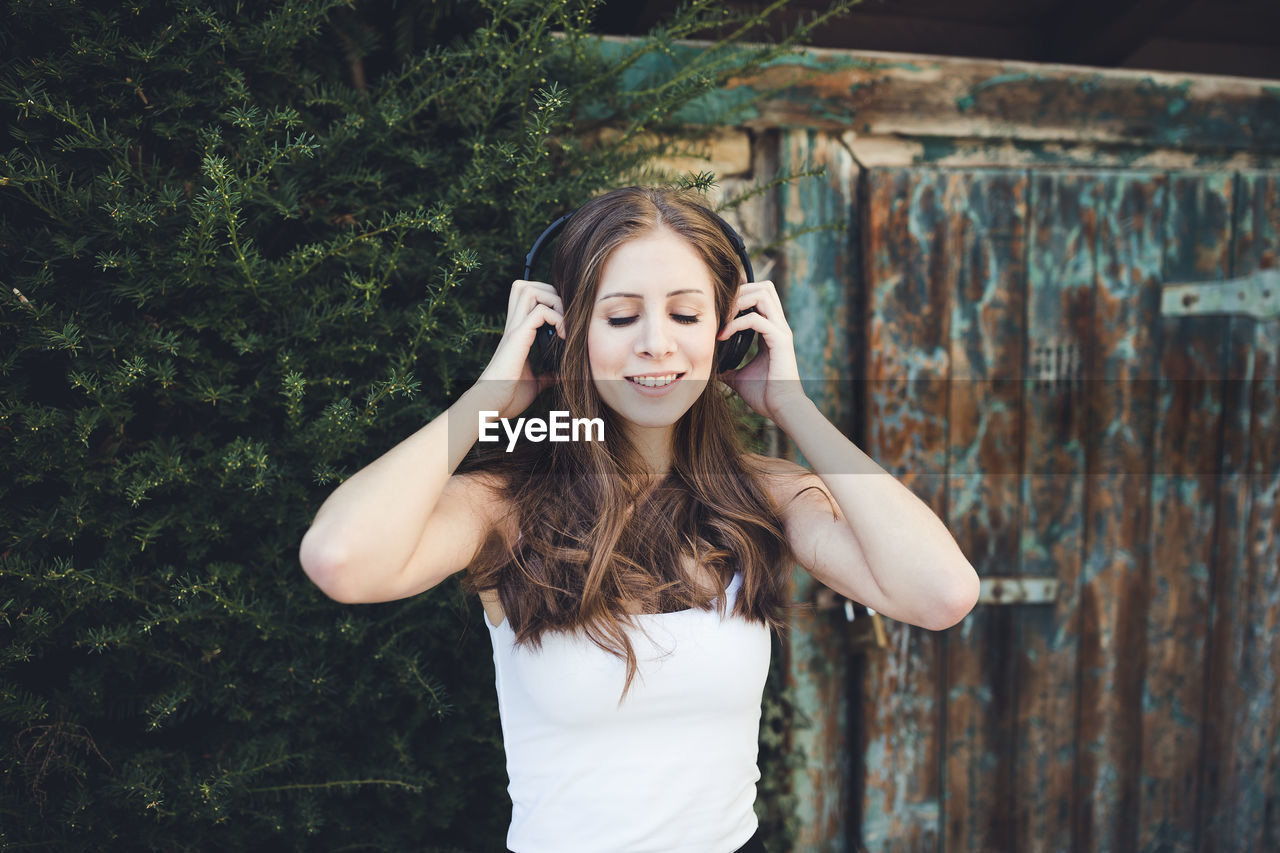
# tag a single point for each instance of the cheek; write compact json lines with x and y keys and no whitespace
{"x":702,"y":345}
{"x":593,"y":346}
{"x":601,"y":350}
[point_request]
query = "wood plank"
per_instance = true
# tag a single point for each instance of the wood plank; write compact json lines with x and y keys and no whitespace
{"x":1060,"y":274}
{"x":986,"y":248}
{"x":943,"y":101}
{"x":1120,"y":362}
{"x":819,"y":276}
{"x":932,"y":97}
{"x":907,"y":296}
{"x":1184,"y":488}
{"x":1244,"y":670}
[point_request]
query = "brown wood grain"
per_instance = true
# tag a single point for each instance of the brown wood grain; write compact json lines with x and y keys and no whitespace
{"x":1060,"y":274}
{"x":985,"y":248}
{"x":1141,"y":709}
{"x":1197,"y":247}
{"x":946,"y":98}
{"x":906,"y":323}
{"x":1118,"y":367}
{"x":818,"y":287}
{"x":1237,"y":803}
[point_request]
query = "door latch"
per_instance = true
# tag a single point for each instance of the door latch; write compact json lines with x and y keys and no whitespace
{"x":1255,"y":295}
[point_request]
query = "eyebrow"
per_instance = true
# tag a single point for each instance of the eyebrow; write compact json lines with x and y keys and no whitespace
{"x":638,"y":296}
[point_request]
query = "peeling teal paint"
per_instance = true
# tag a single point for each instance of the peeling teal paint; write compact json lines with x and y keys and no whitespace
{"x":815,"y":299}
{"x":1148,"y":112}
{"x":876,"y":809}
{"x":1005,"y":79}
{"x":1148,"y":84}
{"x":839,"y":62}
{"x":832,"y":62}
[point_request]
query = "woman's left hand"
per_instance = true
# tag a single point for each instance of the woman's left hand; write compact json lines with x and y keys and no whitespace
{"x":770,"y":382}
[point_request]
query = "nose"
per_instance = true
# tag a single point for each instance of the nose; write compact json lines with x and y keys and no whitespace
{"x":655,"y":339}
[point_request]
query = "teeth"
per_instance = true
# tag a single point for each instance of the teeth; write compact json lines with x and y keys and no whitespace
{"x":654,"y":381}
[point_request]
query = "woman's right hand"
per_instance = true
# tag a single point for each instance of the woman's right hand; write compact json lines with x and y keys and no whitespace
{"x":508,"y":382}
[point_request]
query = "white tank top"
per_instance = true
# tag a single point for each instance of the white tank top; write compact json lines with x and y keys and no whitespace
{"x":672,"y":770}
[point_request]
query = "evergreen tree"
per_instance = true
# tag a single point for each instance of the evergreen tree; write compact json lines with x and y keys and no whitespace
{"x":246,"y":248}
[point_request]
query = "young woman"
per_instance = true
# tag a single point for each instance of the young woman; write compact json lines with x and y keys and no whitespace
{"x":629,"y":583}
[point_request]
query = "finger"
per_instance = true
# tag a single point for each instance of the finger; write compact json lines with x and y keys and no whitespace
{"x":520,"y":287}
{"x":771,"y":332}
{"x":765,"y":301}
{"x":545,"y":314}
{"x":770,"y":292}
{"x":749,"y":294}
{"x":537,"y":285}
{"x":530,"y":298}
{"x":746,"y":321}
{"x":559,"y":318}
{"x":757,"y":290}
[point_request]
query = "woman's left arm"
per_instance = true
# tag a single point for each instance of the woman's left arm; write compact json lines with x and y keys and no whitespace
{"x":885,"y":548}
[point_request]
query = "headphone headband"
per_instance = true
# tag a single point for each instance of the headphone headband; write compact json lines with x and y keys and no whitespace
{"x":552,"y":230}
{"x":547,"y":347}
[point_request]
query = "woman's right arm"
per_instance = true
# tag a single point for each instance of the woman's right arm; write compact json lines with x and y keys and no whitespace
{"x":405,"y":522}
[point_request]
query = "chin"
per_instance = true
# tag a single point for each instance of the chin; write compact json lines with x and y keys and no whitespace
{"x":654,"y":412}
{"x":653,"y":416}
{"x":651,"y":422}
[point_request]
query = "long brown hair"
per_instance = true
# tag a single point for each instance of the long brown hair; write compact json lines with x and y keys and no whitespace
{"x":595,"y":534}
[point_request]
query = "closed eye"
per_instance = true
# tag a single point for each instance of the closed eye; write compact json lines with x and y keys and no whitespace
{"x":679,"y":318}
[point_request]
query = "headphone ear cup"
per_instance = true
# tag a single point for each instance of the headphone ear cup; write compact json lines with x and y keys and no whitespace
{"x":547,"y":351}
{"x":730,"y":353}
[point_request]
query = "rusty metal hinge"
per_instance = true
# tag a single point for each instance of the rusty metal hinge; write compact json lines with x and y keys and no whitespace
{"x":1255,"y":295}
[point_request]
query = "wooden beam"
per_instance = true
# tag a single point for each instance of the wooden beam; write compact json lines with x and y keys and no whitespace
{"x":941,"y":98}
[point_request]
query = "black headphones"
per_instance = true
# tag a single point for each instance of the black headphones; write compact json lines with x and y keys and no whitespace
{"x":548,"y":349}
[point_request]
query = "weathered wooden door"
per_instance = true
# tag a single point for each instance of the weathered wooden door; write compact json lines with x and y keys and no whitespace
{"x":1021,"y":378}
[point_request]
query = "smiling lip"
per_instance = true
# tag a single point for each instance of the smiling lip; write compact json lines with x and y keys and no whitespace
{"x":658,"y":391}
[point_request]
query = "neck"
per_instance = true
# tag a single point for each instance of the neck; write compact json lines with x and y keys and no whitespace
{"x":654,"y":446}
